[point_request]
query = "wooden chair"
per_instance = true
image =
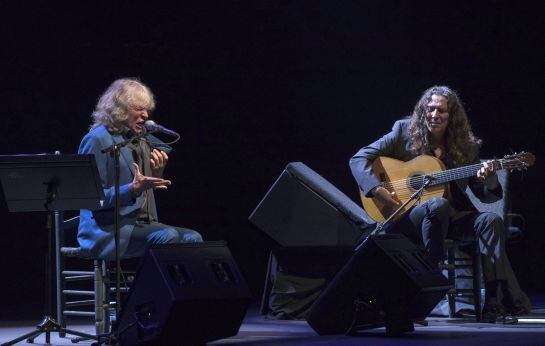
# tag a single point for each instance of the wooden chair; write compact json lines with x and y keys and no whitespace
{"x":462,"y":268}
{"x":83,"y":293}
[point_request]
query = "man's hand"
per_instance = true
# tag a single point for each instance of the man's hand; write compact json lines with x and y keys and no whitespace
{"x":141,"y":183}
{"x":487,"y":170}
{"x":385,"y":197}
{"x":158,"y":162}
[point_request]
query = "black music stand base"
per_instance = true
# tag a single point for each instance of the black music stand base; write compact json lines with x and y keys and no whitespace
{"x":48,"y":326}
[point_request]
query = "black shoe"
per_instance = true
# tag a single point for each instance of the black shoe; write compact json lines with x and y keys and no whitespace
{"x":491,"y":312}
{"x":495,"y":313}
{"x":507,"y":319}
{"x":398,"y":328}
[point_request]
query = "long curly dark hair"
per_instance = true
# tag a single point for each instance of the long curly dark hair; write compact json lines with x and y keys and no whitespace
{"x":461,"y":145}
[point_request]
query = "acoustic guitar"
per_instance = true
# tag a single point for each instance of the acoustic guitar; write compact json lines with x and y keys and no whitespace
{"x":405,"y":178}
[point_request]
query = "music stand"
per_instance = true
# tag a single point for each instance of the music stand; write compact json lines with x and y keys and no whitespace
{"x":50,"y":183}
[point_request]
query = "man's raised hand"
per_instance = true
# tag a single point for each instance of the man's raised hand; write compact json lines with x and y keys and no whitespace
{"x":142,"y":183}
{"x":158,"y":162}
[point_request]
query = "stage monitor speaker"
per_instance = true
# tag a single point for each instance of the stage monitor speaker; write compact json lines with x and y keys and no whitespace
{"x":304,"y":209}
{"x":184,"y":294}
{"x":388,"y":282}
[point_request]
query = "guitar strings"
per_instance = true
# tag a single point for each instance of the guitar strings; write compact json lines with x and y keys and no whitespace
{"x":403,"y":186}
{"x":440,"y":175}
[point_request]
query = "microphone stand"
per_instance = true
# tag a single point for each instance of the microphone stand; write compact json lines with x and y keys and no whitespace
{"x":415,"y":196}
{"x":114,"y":150}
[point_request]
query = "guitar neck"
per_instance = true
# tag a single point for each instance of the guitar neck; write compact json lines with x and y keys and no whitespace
{"x":457,"y":173}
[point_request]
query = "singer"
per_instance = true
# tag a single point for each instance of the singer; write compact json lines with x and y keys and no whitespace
{"x":119,"y":115}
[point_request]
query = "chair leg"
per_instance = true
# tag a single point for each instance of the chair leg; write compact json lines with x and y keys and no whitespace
{"x":451,"y":296}
{"x":106,"y":284}
{"x":477,"y":274}
{"x":99,"y":297}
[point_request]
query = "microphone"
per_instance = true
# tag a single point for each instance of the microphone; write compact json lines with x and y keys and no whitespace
{"x":151,"y":126}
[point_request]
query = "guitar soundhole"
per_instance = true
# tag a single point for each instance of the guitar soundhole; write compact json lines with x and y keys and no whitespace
{"x":416,"y":181}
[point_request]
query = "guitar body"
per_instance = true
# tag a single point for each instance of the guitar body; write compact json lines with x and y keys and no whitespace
{"x":405,"y":178}
{"x":398,"y":174}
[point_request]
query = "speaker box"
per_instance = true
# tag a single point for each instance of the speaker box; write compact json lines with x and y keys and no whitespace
{"x":304,"y":209}
{"x":316,"y":226}
{"x":388,"y":281}
{"x":184,"y":293}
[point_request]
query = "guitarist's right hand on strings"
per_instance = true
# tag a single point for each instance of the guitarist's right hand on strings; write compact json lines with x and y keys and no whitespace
{"x":385,"y":197}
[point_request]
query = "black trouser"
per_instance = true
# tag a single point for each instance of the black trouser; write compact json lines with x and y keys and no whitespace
{"x":432,"y":221}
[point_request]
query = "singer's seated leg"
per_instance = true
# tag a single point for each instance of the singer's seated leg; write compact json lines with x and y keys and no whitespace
{"x":145,"y":235}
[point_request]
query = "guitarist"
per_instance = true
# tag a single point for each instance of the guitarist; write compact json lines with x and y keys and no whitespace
{"x":439,"y":127}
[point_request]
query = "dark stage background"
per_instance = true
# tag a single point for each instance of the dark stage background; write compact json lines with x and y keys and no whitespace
{"x":253,"y":86}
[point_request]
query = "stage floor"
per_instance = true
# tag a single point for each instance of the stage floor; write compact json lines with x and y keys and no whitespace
{"x":258,"y":331}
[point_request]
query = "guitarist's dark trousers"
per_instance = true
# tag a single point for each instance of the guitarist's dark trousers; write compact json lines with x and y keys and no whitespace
{"x":434,"y":220}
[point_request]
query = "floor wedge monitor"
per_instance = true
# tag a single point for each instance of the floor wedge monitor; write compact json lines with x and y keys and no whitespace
{"x":189,"y":293}
{"x":304,"y":209}
{"x":388,"y":282}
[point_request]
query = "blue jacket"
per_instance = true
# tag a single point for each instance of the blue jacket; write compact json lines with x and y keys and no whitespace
{"x":96,"y":234}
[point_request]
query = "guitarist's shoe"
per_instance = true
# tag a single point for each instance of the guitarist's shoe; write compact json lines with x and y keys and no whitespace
{"x":495,"y":313}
